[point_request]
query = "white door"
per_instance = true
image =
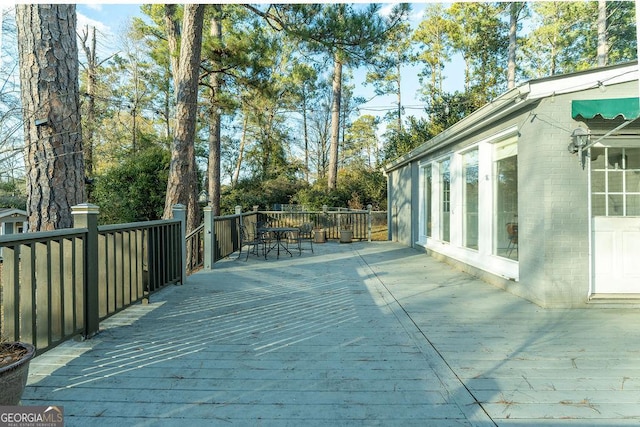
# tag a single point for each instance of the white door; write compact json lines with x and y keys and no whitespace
{"x":615,"y":209}
{"x":616,"y":255}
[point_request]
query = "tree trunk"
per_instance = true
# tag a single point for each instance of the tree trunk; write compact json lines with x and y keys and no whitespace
{"x":214,"y":159}
{"x":305,"y":130}
{"x":182,"y":185}
{"x":603,"y":46}
{"x":511,"y":61}
{"x":213,"y":169}
{"x":335,"y":123}
{"x":90,"y":53}
{"x":173,"y":35}
{"x":399,"y":95}
{"x":48,"y":55}
{"x":243,"y":138}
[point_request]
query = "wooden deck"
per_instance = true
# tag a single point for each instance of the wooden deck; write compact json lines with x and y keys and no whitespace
{"x":354,"y":334}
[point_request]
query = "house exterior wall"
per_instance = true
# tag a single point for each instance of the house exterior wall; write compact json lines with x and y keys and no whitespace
{"x":400,"y":199}
{"x":555,"y":256}
{"x":554,"y":222}
{"x":553,"y":205}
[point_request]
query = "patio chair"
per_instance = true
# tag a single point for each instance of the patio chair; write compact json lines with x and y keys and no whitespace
{"x":304,"y":233}
{"x":512,"y":235}
{"x":253,"y":240}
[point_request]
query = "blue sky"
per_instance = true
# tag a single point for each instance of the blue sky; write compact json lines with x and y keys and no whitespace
{"x":110,"y":21}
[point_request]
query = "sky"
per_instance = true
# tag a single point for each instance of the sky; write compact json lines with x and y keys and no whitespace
{"x":111,"y":19}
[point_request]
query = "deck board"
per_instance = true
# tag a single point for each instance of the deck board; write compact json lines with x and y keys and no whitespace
{"x":356,"y":334}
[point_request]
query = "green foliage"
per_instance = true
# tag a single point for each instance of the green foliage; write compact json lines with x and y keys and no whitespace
{"x":415,"y":133}
{"x":14,"y":202}
{"x":357,"y":188}
{"x":363,"y":186}
{"x":361,"y":142}
{"x":621,"y":28}
{"x":263,"y":193}
{"x":135,"y":189}
{"x":12,"y":194}
{"x":434,"y":39}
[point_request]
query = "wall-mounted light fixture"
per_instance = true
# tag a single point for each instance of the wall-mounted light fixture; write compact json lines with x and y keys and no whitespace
{"x":579,"y":139}
{"x":580,"y":142}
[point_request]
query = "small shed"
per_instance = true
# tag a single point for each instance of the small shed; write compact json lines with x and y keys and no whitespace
{"x":537,"y":192}
{"x":12,"y":221}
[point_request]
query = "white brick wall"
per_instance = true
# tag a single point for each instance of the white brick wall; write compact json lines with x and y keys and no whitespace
{"x":553,"y":219}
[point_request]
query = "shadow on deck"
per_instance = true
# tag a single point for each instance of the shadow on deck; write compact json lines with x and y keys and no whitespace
{"x":353,"y":334}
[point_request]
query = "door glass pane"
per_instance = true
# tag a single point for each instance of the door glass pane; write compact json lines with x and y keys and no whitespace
{"x":427,"y":200}
{"x":633,"y":205}
{"x":597,"y":158}
{"x":615,"y":158}
{"x":632,"y":179}
{"x":598,"y":205}
{"x":445,"y":204}
{"x":615,"y":181}
{"x":470,"y":202}
{"x":598,"y":181}
{"x":615,"y":205}
{"x":506,"y":227}
{"x":632,"y":156}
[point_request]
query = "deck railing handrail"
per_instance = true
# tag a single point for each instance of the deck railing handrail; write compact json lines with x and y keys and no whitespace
{"x":76,"y":277}
{"x":221,"y":234}
{"x":79,"y":276}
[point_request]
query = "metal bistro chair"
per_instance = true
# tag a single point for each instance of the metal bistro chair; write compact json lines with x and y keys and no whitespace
{"x":512,"y":235}
{"x":304,"y":233}
{"x":253,"y":240}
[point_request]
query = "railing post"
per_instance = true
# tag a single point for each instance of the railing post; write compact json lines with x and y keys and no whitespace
{"x":85,"y":215}
{"x":238,"y":210}
{"x":209,"y":238}
{"x":179,"y":212}
{"x":369,"y":207}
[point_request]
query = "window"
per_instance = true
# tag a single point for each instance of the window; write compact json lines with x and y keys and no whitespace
{"x":470,"y":199}
{"x":615,"y":181}
{"x":445,"y":200}
{"x":427,"y":200}
{"x":506,"y":201}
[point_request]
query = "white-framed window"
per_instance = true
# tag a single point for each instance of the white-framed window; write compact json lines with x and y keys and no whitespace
{"x":505,"y":234}
{"x":445,"y":199}
{"x":427,"y":188}
{"x":470,"y":199}
{"x":615,"y":181}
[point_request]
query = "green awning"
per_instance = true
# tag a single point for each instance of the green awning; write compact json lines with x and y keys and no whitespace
{"x":628,"y":108}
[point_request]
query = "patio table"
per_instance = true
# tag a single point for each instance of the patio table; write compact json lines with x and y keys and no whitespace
{"x":278,"y":233}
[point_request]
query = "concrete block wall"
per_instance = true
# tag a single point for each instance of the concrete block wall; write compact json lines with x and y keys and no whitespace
{"x":400,"y":205}
{"x":553,"y":205}
{"x":553,"y":200}
{"x":554,"y":221}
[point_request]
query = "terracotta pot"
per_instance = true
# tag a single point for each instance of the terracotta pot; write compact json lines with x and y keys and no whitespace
{"x":346,"y":236}
{"x":319,"y":236}
{"x":13,"y":376}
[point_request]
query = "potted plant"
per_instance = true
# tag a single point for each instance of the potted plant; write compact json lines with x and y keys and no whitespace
{"x":14,"y":370}
{"x":319,"y":235}
{"x":346,"y":234}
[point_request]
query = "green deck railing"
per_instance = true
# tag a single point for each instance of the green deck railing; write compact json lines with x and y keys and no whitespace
{"x":59,"y":284}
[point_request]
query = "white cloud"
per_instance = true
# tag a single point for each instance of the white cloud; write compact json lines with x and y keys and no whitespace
{"x":83,"y":21}
{"x":386,"y":9}
{"x":415,"y":14}
{"x":94,"y":6}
